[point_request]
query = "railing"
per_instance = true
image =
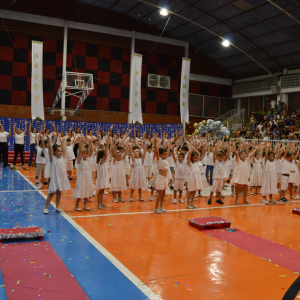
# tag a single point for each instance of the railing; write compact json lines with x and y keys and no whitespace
{"x":273,"y":142}
{"x":232,"y":116}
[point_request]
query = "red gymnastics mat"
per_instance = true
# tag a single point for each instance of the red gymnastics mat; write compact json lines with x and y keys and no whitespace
{"x":278,"y":254}
{"x":209,"y":223}
{"x":296,"y":210}
{"x":35,"y":271}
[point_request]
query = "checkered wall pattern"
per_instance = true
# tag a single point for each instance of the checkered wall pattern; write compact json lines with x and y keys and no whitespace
{"x":110,"y":68}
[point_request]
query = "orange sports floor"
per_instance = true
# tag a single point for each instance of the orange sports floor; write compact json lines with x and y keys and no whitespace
{"x":179,"y":262}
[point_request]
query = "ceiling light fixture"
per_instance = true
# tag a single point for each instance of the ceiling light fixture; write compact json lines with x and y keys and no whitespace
{"x":226,"y":43}
{"x":164,"y":12}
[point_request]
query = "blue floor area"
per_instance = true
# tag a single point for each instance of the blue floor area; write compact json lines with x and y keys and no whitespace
{"x":99,"y":278}
{"x":13,"y":181}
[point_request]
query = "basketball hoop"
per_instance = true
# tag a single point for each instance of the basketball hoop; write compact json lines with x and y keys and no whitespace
{"x":75,"y":84}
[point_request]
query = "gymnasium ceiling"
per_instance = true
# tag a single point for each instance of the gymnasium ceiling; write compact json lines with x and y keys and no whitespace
{"x":264,"y":32}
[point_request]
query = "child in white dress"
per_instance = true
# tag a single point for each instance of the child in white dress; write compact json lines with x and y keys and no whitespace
{"x":155,"y":174}
{"x":138,"y":177}
{"x":219,"y":158}
{"x":59,"y":180}
{"x":194,"y":177}
{"x":269,"y":179}
{"x":102,"y":178}
{"x":118,"y":178}
{"x":148,"y":164}
{"x":257,"y":173}
{"x":84,"y":183}
{"x":69,"y":157}
{"x":293,"y":176}
{"x":47,"y":172}
{"x":241,"y":175}
{"x":180,"y":175}
{"x":40,"y":161}
{"x":285,"y":171}
{"x":161,"y":181}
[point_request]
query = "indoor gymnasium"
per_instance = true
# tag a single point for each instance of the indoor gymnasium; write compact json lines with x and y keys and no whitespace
{"x":150,"y":149}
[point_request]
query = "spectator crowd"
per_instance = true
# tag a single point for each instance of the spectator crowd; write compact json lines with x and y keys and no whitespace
{"x":279,"y":122}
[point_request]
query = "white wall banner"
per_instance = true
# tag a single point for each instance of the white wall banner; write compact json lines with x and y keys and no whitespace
{"x":184,"y":90}
{"x":136,"y":89}
{"x":37,"y":100}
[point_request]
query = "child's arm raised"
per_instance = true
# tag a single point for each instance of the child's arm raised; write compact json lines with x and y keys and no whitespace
{"x":267,"y":151}
{"x":80,"y":151}
{"x":130,"y":151}
{"x":64,"y":146}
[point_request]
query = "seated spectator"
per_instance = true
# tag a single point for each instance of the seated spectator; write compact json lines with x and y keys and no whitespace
{"x":254,"y":113}
{"x":271,"y":116}
{"x":293,"y":116}
{"x":276,"y":133}
{"x":274,"y":126}
{"x":243,"y":130}
{"x":290,"y":110}
{"x":288,"y":121}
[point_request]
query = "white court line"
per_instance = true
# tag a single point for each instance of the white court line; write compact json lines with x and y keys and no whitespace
{"x":176,"y":210}
{"x":17,"y":191}
{"x":128,"y":274}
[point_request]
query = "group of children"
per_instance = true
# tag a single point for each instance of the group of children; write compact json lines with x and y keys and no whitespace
{"x":117,"y":162}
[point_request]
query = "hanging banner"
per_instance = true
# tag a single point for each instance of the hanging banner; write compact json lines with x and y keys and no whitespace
{"x":37,"y":100}
{"x":184,"y":90}
{"x":136,"y":89}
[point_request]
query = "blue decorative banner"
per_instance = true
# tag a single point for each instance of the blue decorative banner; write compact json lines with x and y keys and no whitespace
{"x":66,"y":125}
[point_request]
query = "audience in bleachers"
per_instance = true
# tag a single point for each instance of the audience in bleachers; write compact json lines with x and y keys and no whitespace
{"x":277,"y":122}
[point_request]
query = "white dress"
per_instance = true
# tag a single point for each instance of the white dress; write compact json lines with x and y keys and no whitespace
{"x":241,"y":173}
{"x":102,"y":181}
{"x":292,"y":178}
{"x":203,"y":178}
{"x":138,"y":177}
{"x":269,"y":182}
{"x":118,"y":177}
{"x":47,"y":171}
{"x":257,"y":173}
{"x":126,"y":165}
{"x":228,"y":167}
{"x":59,"y":179}
{"x":297,"y":179}
{"x":84,"y":183}
{"x":194,"y":178}
{"x":155,"y":173}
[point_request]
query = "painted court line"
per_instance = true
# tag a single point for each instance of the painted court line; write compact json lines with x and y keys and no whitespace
{"x":128,"y":274}
{"x":176,"y":210}
{"x":17,"y":191}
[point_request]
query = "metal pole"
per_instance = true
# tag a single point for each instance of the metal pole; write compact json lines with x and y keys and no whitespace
{"x":186,"y":55}
{"x":131,"y":76}
{"x":64,"y":69}
{"x":186,"y":50}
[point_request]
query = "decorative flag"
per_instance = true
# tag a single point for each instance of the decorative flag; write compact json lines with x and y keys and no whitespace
{"x":184,"y":90}
{"x":136,"y":89}
{"x":37,"y":100}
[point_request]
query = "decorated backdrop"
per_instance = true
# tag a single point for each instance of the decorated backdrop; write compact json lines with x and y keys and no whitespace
{"x":65,"y":126}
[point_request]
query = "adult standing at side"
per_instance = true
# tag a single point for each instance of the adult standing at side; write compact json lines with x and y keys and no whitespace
{"x":19,"y":143}
{"x":32,"y":133}
{"x":3,"y":145}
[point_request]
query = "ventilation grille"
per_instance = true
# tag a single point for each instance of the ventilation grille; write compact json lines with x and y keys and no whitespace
{"x":159,"y":81}
{"x":290,"y":81}
{"x":254,"y":86}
